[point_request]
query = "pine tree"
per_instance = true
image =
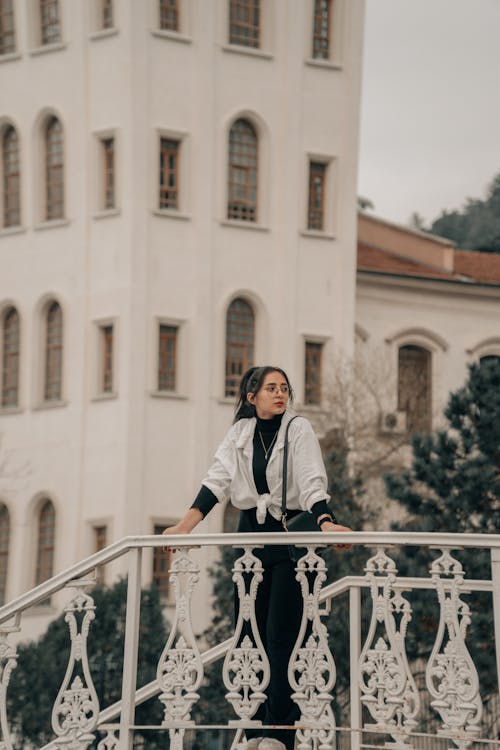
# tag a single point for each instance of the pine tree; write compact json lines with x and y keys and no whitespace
{"x":453,"y":485}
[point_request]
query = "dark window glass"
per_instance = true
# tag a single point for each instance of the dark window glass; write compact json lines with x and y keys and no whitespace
{"x":50,"y":23}
{"x":169,"y":173}
{"x":54,"y":170}
{"x":321,"y":31}
{"x":162,"y":559}
{"x":317,"y":173}
{"x":11,"y":178}
{"x":107,"y":359}
{"x":244,"y":22}
{"x":414,"y":387}
{"x":7,"y":30}
{"x":4,"y":550}
{"x":108,"y":164}
{"x":167,"y":358}
{"x":240,"y":334}
{"x":242,"y":175}
{"x":46,"y":540}
{"x":313,"y":367}
{"x":53,"y":353}
{"x":169,"y":15}
{"x":10,"y":358}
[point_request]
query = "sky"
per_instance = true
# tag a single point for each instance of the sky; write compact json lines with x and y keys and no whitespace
{"x":430,"y":106}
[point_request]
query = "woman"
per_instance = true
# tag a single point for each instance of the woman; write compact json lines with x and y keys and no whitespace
{"x":247,"y":470}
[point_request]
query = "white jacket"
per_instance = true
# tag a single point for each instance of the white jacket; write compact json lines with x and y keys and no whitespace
{"x":231,"y":475}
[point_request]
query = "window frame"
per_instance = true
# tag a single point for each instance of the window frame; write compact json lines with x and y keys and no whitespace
{"x":49,"y":42}
{"x":5,"y":176}
{"x":255,"y":6}
{"x":245,"y":205}
{"x":5,"y":405}
{"x":319,"y":387}
{"x":183,"y":174}
{"x":9,"y":33}
{"x":182,"y":368}
{"x":165,"y":153}
{"x":108,"y":184}
{"x":230,"y":390}
{"x":100,"y":571}
{"x":5,"y":549}
{"x":46,"y":399}
{"x":336,"y":36}
{"x":161,"y":555}
{"x":57,"y":183}
{"x":173,"y":335}
{"x":330,"y":195}
{"x":104,"y":360}
{"x":416,"y":422}
{"x":177,"y":27}
{"x":99,"y":167}
{"x":39,"y":548}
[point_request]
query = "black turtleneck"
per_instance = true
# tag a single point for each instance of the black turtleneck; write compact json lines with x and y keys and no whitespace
{"x":265,"y":435}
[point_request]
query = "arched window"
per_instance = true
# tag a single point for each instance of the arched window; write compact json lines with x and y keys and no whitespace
{"x":53,"y":353}
{"x":240,"y":334}
{"x":4,"y":550}
{"x":10,"y":358}
{"x":415,"y":387}
{"x":54,"y":169}
{"x":11,"y":178}
{"x":45,"y":542}
{"x":242,"y":173}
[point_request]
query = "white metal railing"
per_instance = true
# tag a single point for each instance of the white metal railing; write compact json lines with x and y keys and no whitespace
{"x":384,"y":699}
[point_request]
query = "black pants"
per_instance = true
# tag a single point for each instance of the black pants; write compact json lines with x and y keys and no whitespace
{"x":278,"y":609}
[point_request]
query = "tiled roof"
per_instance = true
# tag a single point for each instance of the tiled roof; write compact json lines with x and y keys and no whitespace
{"x":470,"y":266}
{"x":483,"y":267}
{"x":375,"y":259}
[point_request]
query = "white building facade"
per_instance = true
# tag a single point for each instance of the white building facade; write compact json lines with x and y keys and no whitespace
{"x":179,"y":202}
{"x":424,"y":311}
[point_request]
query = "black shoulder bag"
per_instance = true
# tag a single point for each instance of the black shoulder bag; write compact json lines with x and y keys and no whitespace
{"x":303,"y":521}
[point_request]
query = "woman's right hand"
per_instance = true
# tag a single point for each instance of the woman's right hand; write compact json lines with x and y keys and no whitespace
{"x":185,"y":525}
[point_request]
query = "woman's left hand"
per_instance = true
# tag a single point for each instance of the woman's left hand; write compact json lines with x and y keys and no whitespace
{"x":329,"y":526}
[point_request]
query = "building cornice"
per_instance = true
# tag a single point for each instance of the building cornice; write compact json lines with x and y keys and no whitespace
{"x":447,"y":286}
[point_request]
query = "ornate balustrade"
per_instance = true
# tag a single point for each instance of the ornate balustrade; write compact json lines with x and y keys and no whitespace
{"x":384,"y":699}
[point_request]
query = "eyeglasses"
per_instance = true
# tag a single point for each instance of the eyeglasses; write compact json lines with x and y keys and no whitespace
{"x":276,"y":389}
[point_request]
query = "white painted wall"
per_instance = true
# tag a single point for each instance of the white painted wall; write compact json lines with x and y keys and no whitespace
{"x":138,"y":458}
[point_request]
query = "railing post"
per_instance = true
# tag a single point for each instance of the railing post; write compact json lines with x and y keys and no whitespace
{"x":131,"y":646}
{"x":355,"y":652}
{"x":495,"y":579}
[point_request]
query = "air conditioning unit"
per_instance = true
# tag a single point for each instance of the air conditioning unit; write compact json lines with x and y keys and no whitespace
{"x":393,"y":422}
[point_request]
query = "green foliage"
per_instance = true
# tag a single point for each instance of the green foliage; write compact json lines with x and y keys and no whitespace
{"x":346,"y":490}
{"x":453,"y":485}
{"x":477,"y":225}
{"x":42,"y":664}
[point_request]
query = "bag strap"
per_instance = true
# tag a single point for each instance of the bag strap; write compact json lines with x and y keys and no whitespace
{"x":284,"y":480}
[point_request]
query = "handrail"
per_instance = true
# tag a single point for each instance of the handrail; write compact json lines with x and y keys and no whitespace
{"x":78,"y":575}
{"x":256,"y":539}
{"x":330,"y":591}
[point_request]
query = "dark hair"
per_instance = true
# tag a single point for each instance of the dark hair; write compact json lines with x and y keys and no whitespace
{"x":251,"y":382}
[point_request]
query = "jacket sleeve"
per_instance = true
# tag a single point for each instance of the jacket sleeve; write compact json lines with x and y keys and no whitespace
{"x":220,"y":474}
{"x":309,"y":473}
